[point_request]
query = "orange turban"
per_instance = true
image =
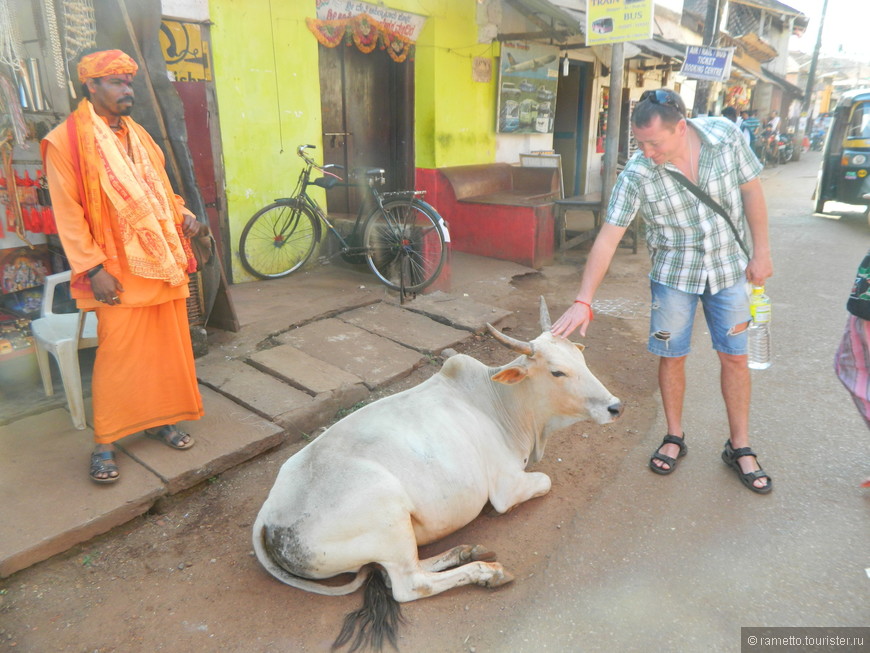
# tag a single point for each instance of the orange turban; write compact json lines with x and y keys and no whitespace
{"x":106,"y":62}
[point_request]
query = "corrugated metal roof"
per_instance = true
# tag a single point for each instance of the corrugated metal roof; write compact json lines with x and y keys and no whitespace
{"x":662,"y":48}
{"x":544,"y":9}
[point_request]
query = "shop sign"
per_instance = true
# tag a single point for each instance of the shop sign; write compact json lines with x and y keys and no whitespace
{"x":402,"y":23}
{"x":615,"y":21}
{"x":528,"y":79}
{"x":702,"y":62}
{"x":186,"y":53}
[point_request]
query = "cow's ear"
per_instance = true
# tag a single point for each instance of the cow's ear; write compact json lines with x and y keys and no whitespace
{"x":579,"y":346}
{"x":510,"y":375}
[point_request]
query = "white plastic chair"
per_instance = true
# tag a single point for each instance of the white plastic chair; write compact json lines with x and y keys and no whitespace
{"x":62,"y":335}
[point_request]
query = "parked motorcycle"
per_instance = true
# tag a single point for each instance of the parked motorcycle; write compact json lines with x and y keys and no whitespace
{"x":768,"y":147}
{"x":784,"y":147}
{"x":817,"y":139}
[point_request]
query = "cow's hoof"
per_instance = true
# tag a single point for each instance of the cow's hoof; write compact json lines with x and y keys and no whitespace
{"x":501,"y":577}
{"x":482,"y":554}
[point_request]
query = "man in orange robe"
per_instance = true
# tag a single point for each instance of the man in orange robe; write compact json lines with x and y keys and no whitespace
{"x":126,"y":236}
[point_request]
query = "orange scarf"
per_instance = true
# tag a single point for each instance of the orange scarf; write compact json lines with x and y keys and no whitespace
{"x":138,"y":188}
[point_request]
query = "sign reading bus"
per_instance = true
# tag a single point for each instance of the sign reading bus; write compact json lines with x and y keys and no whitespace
{"x":614,"y":21}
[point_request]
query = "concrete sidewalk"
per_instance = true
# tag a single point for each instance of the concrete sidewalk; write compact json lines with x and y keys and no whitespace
{"x":310,"y":345}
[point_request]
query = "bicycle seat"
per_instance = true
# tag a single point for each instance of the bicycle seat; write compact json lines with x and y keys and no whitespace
{"x":326,"y":182}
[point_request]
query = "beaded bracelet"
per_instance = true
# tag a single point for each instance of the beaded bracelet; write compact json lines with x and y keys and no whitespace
{"x":587,"y":305}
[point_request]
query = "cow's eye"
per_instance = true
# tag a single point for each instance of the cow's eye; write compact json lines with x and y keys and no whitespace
{"x":557,"y":373}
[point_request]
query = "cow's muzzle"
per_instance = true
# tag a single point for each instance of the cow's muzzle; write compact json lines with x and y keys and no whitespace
{"x":615,"y":409}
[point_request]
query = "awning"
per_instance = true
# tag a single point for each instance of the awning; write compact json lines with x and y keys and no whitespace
{"x":554,"y":22}
{"x":757,"y":48}
{"x":784,"y":84}
{"x":660,"y":48}
{"x":768,"y":77}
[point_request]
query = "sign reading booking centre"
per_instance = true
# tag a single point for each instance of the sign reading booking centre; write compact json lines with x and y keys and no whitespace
{"x":702,"y":62}
{"x":614,"y":21}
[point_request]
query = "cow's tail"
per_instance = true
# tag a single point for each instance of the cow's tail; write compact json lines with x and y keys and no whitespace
{"x":376,"y":621}
{"x":272,"y":564}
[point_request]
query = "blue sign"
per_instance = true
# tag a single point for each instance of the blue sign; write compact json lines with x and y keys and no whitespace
{"x":703,"y":62}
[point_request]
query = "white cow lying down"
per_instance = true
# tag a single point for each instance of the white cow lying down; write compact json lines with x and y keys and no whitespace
{"x":411,"y":468}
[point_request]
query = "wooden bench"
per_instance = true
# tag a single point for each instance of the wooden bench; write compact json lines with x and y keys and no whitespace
{"x":498,"y":210}
{"x":587,"y":202}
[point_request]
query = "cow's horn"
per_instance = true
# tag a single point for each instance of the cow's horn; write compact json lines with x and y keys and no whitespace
{"x":511,"y":343}
{"x":545,"y":316}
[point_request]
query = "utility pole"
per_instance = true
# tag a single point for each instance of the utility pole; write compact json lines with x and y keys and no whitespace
{"x":711,"y":38}
{"x":811,"y":83}
{"x":614,"y":112}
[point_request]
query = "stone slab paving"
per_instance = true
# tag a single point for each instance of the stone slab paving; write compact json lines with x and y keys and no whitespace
{"x":227,"y":435}
{"x":458,"y":311}
{"x":48,"y":502}
{"x":406,"y":327}
{"x":301,"y":370}
{"x":376,"y":360}
{"x":251,"y":387}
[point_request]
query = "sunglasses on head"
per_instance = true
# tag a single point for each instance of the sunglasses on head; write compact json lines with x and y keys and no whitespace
{"x":662,"y":96}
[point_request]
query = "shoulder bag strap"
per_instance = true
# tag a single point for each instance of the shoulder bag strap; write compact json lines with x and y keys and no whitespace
{"x":709,"y":201}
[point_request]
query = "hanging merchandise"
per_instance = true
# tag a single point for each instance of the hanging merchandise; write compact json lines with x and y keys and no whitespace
{"x":51,"y":46}
{"x":79,"y":26}
{"x":15,"y":217}
{"x":11,"y":116}
{"x":11,"y":51}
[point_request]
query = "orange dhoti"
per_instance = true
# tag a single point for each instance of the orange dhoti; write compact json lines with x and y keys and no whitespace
{"x":144,"y":374}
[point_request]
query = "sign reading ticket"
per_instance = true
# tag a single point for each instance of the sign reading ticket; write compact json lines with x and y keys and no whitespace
{"x":707,"y":63}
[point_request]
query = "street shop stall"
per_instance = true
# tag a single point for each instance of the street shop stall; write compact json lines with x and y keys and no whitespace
{"x":40,"y":43}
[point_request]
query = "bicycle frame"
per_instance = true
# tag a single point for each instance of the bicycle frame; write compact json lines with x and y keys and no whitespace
{"x":399,"y":236}
{"x":372,"y":197}
{"x":302,"y":193}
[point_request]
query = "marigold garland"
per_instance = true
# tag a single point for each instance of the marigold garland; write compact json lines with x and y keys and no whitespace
{"x":364,"y":32}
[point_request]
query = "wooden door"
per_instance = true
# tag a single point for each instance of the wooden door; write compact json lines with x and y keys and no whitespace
{"x":367,"y":114}
{"x":571,"y":125}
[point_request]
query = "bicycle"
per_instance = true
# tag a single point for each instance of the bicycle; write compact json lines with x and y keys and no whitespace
{"x":402,"y":237}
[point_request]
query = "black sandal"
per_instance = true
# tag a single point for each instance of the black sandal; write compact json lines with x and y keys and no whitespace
{"x":730,"y":456}
{"x":672,"y":462}
{"x":100,"y":464}
{"x":170,"y":436}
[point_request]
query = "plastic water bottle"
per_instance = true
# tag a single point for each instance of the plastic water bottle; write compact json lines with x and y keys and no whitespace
{"x":759,"y":329}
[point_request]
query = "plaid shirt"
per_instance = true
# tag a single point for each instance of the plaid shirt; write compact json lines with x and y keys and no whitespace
{"x":690,"y":244}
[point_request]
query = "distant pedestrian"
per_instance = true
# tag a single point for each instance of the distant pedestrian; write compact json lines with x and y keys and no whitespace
{"x":773,"y":122}
{"x":750,"y":126}
{"x":852,"y":361}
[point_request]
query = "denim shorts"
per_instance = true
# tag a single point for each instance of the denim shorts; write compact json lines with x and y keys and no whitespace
{"x":673,"y":315}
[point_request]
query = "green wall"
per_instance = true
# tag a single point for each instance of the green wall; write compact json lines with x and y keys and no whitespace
{"x":268,"y":89}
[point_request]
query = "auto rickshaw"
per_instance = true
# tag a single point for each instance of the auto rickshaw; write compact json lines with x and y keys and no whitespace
{"x":844,"y":175}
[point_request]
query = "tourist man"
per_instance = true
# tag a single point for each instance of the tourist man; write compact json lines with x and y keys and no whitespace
{"x":695,"y":257}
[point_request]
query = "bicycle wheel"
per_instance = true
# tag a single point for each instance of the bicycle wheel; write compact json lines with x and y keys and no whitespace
{"x":404,"y":244}
{"x":278,"y":239}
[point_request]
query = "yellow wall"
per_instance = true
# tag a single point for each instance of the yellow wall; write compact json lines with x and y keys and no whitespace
{"x":268,"y":90}
{"x":455,"y":116}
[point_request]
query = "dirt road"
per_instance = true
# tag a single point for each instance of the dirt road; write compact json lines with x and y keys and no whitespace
{"x":183,"y":577}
